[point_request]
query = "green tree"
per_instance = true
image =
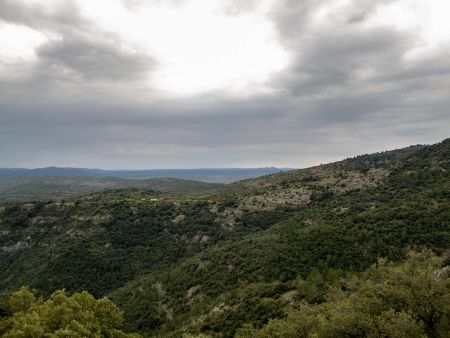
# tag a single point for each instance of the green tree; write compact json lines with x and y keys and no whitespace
{"x":79,"y":315}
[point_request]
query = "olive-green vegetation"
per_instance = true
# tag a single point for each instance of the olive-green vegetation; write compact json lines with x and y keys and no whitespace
{"x":264,"y":254}
{"x":390,"y":300}
{"x":37,"y":188}
{"x":79,"y":315}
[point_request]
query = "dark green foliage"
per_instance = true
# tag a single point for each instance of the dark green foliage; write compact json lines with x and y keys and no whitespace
{"x":347,"y":232}
{"x":256,"y":304}
{"x":102,"y":241}
{"x":384,"y":158}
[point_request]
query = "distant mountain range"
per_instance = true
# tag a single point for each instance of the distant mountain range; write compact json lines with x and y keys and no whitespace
{"x":213,"y":175}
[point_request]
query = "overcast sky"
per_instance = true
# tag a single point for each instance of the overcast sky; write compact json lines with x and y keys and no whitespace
{"x":133,"y":84}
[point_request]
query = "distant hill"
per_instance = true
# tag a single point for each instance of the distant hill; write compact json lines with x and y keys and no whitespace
{"x":213,"y":175}
{"x":56,"y":188}
{"x":53,"y":183}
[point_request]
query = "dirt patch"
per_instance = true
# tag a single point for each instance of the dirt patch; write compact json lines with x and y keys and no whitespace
{"x":192,"y":290}
{"x":159,"y":289}
{"x":15,"y":247}
{"x":180,"y":218}
{"x":168,"y":311}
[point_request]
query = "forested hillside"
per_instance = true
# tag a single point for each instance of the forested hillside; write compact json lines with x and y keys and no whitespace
{"x":296,"y":248}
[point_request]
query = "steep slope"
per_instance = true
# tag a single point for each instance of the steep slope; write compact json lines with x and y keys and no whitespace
{"x":101,"y":241}
{"x":299,"y":187}
{"x":407,"y":210}
{"x":389,"y":300}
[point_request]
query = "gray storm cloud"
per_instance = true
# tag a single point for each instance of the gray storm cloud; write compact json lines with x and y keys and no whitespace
{"x":78,"y":49}
{"x":348,"y":89}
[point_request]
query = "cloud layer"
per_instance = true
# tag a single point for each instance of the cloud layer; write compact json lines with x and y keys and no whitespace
{"x":354,"y":82}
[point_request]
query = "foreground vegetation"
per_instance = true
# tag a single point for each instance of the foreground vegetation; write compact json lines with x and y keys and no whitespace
{"x":388,"y":300}
{"x":80,"y":315}
{"x":290,"y":254}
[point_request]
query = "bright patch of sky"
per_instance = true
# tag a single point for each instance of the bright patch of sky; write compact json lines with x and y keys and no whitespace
{"x":200,"y":48}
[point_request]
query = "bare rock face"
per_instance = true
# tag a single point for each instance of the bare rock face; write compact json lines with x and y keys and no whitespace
{"x":15,"y":247}
{"x":443,"y":273}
